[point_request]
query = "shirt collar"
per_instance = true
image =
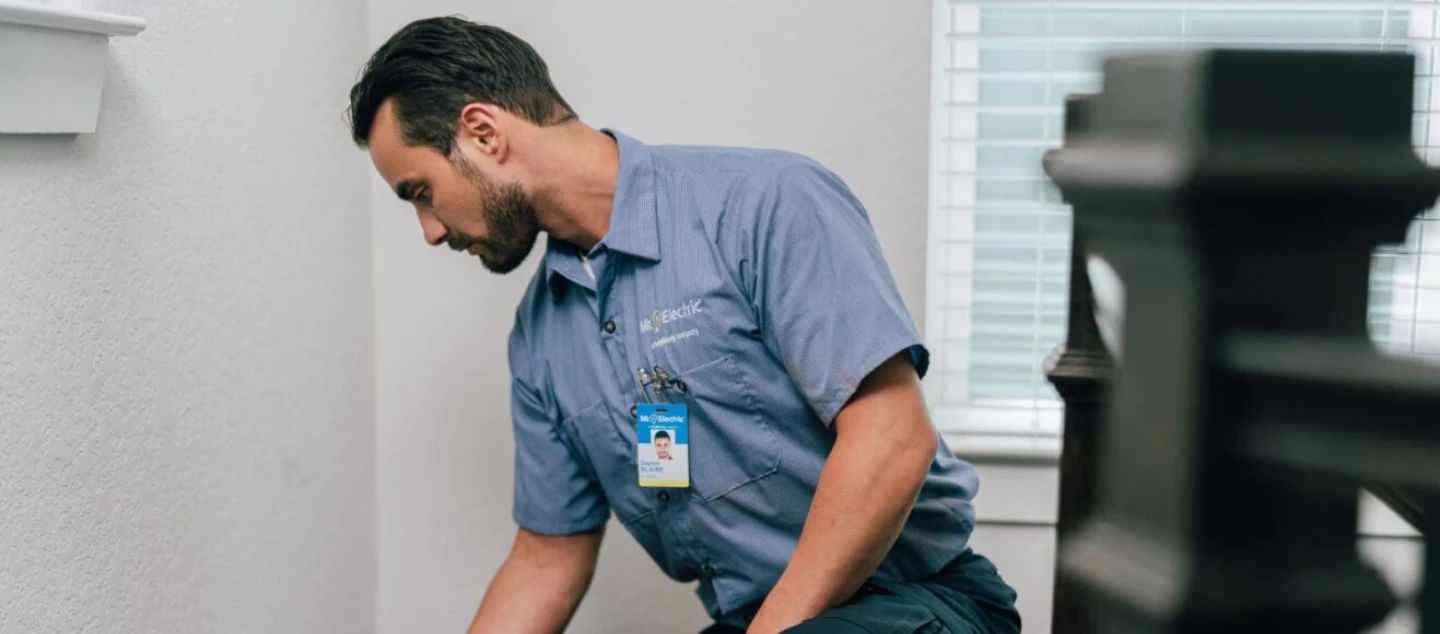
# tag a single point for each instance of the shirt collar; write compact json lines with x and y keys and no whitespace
{"x":634,"y":228}
{"x":562,"y":264}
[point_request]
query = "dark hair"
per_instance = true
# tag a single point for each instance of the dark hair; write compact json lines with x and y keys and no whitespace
{"x":434,"y":67}
{"x":662,"y":434}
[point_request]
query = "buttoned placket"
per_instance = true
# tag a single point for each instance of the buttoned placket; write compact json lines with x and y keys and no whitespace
{"x":671,"y":507}
{"x":610,"y":320}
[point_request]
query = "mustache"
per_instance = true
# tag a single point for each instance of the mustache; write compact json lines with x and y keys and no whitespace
{"x":458,"y":242}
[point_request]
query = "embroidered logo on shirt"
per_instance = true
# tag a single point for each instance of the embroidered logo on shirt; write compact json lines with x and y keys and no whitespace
{"x":661,"y":317}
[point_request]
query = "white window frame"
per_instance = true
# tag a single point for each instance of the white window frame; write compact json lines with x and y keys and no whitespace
{"x":1030,"y":430}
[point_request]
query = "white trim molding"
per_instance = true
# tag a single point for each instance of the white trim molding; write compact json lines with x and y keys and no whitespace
{"x":52,"y":64}
{"x":67,"y":17}
{"x":1002,"y":431}
{"x":977,"y":449}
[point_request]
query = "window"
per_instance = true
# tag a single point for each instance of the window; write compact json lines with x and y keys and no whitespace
{"x":999,"y":235}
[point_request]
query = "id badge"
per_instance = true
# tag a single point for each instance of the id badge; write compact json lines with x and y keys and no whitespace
{"x":662,"y":433}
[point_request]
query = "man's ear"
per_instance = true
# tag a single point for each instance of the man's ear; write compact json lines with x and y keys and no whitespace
{"x":480,"y":127}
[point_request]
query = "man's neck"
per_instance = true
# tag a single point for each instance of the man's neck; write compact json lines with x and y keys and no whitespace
{"x":576,"y":181}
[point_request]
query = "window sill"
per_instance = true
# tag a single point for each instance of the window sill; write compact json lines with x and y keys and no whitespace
{"x":1000,"y":449}
{"x":52,"y":64}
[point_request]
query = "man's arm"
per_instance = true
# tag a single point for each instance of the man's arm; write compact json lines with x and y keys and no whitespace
{"x":883,"y":450}
{"x":541,"y":583}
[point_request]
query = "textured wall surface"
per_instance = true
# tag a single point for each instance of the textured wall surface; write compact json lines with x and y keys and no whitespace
{"x":186,"y":439}
{"x":845,"y":81}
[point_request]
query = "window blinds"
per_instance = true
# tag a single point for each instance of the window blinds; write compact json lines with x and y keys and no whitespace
{"x":999,"y":235}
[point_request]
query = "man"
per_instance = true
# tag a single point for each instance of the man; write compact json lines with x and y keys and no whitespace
{"x":747,"y":286}
{"x":662,"y":445}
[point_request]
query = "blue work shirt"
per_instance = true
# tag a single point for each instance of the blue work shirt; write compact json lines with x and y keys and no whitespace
{"x":756,"y":279}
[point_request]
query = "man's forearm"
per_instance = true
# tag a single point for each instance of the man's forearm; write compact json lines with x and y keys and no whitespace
{"x":883,"y":451}
{"x":860,"y":507}
{"x":536,"y":591}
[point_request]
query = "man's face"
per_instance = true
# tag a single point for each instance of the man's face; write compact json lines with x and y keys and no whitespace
{"x":662,"y":448}
{"x":456,"y":203}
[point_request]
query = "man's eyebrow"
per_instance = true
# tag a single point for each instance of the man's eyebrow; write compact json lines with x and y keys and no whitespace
{"x":405,"y":190}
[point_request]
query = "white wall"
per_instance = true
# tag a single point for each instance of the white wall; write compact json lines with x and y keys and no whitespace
{"x":846,"y":82}
{"x":185,"y":326}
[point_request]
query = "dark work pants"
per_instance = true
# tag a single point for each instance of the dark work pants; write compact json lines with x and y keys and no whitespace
{"x":966,"y":597}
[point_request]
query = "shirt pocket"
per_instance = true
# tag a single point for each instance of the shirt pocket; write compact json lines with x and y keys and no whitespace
{"x":608,"y":450}
{"x":731,"y":443}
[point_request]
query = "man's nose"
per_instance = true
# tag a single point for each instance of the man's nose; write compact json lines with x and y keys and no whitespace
{"x":435,"y":231}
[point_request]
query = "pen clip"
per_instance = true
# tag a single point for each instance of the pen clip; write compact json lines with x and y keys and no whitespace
{"x":662,"y":380}
{"x":645,"y":381}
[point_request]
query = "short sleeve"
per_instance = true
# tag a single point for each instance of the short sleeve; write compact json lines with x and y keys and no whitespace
{"x":827,"y":302}
{"x":553,"y":493}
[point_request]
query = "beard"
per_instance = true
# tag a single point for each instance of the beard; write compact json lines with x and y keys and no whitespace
{"x":509,"y":215}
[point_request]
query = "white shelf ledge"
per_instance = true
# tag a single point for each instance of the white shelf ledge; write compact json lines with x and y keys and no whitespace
{"x":67,"y":17}
{"x":52,"y":64}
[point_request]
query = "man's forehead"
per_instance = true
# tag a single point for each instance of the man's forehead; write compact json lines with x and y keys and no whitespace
{"x":388,"y":150}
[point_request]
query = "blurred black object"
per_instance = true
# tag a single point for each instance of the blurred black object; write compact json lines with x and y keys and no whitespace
{"x":1238,"y":198}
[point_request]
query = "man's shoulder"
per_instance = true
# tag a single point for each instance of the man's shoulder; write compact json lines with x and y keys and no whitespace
{"x":747,"y":167}
{"x":747,"y":186}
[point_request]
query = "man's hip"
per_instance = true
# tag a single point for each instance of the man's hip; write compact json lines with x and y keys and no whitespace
{"x":967,"y":595}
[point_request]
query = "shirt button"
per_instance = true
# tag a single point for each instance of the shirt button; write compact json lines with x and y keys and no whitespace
{"x":664,"y":496}
{"x":634,"y":411}
{"x":708,"y":569}
{"x":610,"y":327}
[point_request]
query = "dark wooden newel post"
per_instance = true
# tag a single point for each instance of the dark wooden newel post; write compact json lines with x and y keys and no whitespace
{"x":1238,"y":196}
{"x":1079,"y":374}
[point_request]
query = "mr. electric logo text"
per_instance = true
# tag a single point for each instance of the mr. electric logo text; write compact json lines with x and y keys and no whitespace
{"x":661,"y":317}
